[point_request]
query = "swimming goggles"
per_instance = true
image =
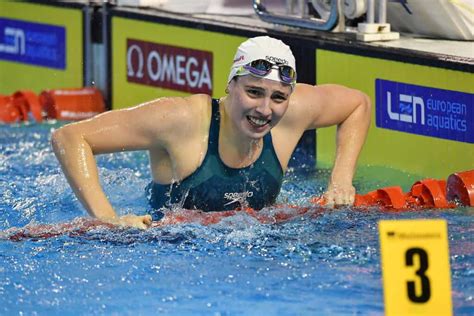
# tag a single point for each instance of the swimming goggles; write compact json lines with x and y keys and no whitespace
{"x":262,"y":68}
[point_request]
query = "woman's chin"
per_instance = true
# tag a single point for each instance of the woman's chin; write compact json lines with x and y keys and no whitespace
{"x":256,"y":132}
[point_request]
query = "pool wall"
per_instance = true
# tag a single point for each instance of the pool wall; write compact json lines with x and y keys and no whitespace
{"x":422,"y":147}
{"x":46,"y":47}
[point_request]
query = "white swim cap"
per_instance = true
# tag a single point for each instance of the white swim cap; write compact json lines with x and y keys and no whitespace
{"x":266,"y":48}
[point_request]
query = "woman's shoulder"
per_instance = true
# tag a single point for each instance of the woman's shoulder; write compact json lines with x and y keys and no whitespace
{"x":175,"y":109}
{"x":191,"y":102}
{"x":181,"y":115}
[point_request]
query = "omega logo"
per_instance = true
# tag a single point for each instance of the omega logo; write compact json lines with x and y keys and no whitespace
{"x":169,"y":67}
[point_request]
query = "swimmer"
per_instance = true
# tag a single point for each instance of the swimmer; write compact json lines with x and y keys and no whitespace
{"x":220,"y":154}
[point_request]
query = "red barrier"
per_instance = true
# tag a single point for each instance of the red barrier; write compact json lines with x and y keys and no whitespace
{"x":72,"y":104}
{"x":61,"y":104}
{"x":9,"y":113}
{"x":429,"y":193}
{"x":27,"y":101}
{"x":387,"y":198}
{"x":460,"y":187}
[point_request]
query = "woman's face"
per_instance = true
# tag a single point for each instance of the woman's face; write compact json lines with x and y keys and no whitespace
{"x":255,"y":105}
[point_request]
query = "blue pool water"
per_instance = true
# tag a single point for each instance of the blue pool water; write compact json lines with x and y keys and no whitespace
{"x":325,"y":265}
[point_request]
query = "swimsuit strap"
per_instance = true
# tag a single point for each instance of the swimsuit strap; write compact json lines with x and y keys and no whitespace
{"x":214,"y":128}
{"x":268,"y":142}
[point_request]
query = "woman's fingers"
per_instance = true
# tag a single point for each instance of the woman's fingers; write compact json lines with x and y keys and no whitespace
{"x":147,"y":220}
{"x":338,"y":195}
{"x":130,"y":220}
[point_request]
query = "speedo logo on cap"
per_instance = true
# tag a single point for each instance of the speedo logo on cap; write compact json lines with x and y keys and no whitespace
{"x":276,"y":60}
{"x":239,"y":59}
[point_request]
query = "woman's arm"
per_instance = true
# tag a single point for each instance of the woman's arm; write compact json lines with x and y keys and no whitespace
{"x":350,"y":110}
{"x":139,"y":128}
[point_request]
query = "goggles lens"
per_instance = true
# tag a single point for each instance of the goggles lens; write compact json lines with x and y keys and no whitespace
{"x":262,"y":67}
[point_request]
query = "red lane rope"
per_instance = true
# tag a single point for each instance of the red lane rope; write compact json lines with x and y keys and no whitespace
{"x":427,"y":193}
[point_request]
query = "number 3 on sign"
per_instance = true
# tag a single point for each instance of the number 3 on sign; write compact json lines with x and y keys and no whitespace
{"x":415,"y":267}
{"x":425,"y":292}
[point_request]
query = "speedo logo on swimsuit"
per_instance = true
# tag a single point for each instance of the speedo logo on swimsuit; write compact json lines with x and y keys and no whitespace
{"x":276,"y":60}
{"x":237,"y":197}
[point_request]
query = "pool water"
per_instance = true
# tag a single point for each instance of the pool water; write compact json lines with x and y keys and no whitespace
{"x":323,"y":265}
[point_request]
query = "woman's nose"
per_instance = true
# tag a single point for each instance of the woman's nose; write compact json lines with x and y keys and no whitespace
{"x":264,"y":107}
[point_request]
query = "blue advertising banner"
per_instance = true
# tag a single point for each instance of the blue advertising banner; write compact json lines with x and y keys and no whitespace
{"x":33,"y":43}
{"x":425,"y":111}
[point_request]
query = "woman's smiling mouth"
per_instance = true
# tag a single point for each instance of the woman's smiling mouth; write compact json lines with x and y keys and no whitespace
{"x":257,"y":122}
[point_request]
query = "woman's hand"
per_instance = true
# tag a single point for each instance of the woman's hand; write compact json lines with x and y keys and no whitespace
{"x":337,"y":194}
{"x":130,"y":220}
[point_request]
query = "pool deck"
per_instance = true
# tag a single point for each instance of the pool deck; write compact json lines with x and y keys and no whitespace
{"x":452,"y":54}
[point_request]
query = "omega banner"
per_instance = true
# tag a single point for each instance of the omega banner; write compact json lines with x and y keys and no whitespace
{"x":169,"y":67}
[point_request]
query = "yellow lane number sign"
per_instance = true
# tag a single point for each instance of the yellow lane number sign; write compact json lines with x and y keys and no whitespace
{"x":415,"y":267}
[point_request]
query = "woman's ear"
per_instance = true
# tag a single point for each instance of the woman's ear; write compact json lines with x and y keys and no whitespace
{"x":230,"y":82}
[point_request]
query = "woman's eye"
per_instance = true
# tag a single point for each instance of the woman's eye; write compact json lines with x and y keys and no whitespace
{"x":254,"y":92}
{"x":279,"y":98}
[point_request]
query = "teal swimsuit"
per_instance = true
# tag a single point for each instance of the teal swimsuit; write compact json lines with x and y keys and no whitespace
{"x":217,"y":187}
